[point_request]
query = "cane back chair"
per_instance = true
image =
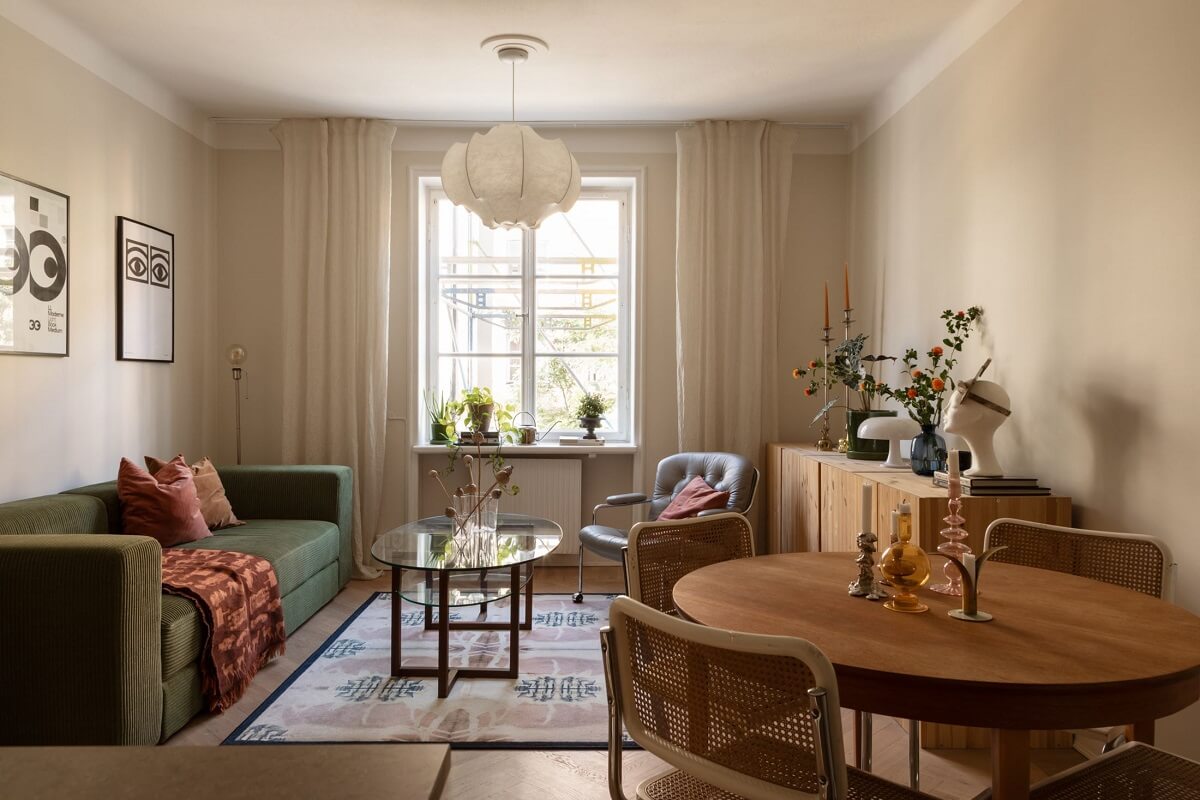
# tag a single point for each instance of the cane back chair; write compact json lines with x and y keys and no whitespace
{"x":736,"y":715}
{"x":1132,"y":771}
{"x":660,"y":553}
{"x":1133,"y":561}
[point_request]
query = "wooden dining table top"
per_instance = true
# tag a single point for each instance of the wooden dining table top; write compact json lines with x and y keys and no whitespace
{"x":1061,"y":652}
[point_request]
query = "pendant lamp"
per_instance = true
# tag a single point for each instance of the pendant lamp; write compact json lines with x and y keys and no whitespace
{"x":510,"y":176}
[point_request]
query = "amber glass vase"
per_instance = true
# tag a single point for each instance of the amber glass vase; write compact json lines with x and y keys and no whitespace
{"x":906,"y":567}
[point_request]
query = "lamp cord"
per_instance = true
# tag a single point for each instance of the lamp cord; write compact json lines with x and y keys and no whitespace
{"x":514,"y":91}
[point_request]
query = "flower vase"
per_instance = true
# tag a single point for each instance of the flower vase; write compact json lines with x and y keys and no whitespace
{"x":928,"y":452}
{"x":865,"y":449}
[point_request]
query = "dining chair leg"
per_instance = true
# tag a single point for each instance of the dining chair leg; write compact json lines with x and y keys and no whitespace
{"x":578,"y":597}
{"x":863,"y":725}
{"x":914,"y":755}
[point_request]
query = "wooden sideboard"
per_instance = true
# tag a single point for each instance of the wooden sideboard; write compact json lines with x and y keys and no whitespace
{"x":814,"y":500}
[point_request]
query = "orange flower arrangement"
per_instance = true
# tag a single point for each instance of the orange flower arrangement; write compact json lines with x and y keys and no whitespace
{"x":924,"y":397}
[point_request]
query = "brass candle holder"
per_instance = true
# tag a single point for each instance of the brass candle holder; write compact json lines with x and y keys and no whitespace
{"x":846,"y":323}
{"x":824,"y":443}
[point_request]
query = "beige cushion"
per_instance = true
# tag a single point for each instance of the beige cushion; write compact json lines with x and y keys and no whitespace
{"x":214,"y":505}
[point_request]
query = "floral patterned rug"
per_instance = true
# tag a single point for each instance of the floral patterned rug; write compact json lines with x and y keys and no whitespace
{"x":344,"y":693}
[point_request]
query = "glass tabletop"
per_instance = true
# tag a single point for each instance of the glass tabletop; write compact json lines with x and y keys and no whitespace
{"x":477,"y":563}
{"x":434,"y":544}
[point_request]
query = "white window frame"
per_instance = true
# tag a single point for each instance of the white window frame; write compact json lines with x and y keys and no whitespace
{"x":624,"y":188}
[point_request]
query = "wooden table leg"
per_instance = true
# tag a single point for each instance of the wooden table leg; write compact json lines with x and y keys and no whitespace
{"x":443,"y":633}
{"x":527,"y":625}
{"x":1010,"y":764}
{"x":1140,"y":732}
{"x":397,"y":611}
{"x":514,"y":627}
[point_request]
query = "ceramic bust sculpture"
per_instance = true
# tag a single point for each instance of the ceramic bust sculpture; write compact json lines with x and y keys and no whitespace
{"x":977,"y":408}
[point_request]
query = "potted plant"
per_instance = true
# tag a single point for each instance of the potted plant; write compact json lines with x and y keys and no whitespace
{"x":854,"y":370}
{"x":443,"y":414}
{"x":925,"y":395}
{"x":590,"y":411}
{"x":850,"y":368}
{"x":479,"y":405}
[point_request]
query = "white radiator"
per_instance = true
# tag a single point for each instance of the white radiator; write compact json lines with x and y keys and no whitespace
{"x":550,"y":488}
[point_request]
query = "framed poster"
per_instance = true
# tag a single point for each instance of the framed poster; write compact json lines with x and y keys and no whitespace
{"x":145,"y":292}
{"x":34,"y":269}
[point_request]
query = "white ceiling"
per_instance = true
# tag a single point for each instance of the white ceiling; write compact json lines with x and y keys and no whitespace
{"x":788,"y":60}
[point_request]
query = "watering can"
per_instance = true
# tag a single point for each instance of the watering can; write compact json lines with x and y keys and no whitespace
{"x":528,"y":434}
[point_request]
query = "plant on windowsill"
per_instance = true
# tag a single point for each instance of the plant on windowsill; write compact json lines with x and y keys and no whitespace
{"x":442,"y":413}
{"x":590,"y":411}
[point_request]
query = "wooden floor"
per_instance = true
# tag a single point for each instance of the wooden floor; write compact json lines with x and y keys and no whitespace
{"x":582,"y":775}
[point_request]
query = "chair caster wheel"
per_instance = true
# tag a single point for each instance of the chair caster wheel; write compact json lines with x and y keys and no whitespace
{"x":577,"y":597}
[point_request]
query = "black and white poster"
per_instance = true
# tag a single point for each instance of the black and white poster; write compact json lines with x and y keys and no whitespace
{"x":145,"y":292}
{"x":34,"y":269}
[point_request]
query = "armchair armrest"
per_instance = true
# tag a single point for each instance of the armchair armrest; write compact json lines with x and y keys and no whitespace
{"x":79,"y":629}
{"x":630,"y":499}
{"x":295,"y":492}
{"x":618,"y":501}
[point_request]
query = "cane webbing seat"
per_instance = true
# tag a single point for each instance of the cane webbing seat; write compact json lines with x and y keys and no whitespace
{"x":1131,"y":772}
{"x":660,"y":553}
{"x":677,"y":785}
{"x":737,"y":715}
{"x":1140,"y":563}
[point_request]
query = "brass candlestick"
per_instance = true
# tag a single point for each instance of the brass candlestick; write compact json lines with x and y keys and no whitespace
{"x":824,"y":442}
{"x":846,"y":323}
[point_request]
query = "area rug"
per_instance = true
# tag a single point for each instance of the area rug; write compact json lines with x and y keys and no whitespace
{"x":344,"y":693}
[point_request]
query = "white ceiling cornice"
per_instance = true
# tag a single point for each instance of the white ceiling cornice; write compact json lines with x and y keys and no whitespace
{"x":47,"y":25}
{"x":958,"y":38}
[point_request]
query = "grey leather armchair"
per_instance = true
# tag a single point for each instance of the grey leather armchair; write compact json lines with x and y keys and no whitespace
{"x":725,"y":472}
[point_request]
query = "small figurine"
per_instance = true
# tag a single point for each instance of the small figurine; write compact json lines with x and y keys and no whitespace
{"x":866,"y":585}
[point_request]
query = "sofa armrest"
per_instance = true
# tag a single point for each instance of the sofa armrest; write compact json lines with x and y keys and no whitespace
{"x":79,"y":638}
{"x":295,"y":492}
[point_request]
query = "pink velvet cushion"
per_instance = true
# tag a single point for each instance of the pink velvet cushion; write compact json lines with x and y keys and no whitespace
{"x":164,"y":506}
{"x":697,"y":496}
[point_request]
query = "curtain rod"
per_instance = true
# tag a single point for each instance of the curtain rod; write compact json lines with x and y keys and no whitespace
{"x":459,"y":123}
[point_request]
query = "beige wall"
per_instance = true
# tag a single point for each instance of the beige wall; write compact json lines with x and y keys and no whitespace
{"x":250,"y":210}
{"x":69,"y":420}
{"x":1051,"y":176}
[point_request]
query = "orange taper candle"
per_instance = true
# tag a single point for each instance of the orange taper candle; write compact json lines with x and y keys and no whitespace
{"x":826,"y":304}
{"x":846,"y":275}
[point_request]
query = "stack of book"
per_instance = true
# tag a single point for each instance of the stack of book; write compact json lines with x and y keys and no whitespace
{"x":579,"y":441}
{"x":490,"y":438}
{"x":982,"y":487}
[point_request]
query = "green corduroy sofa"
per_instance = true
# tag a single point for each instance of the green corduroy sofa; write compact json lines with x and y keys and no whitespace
{"x":92,"y":652}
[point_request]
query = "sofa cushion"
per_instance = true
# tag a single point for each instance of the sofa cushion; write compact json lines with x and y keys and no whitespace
{"x":182,"y":634}
{"x":297,"y":549}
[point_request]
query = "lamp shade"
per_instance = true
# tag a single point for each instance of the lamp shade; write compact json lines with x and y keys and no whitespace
{"x":511,"y":177}
{"x":895,"y":430}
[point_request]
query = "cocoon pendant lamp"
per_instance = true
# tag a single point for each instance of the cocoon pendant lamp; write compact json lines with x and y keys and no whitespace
{"x":510,"y":176}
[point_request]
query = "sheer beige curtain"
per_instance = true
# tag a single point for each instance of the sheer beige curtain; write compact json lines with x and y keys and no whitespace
{"x":337,"y":206}
{"x":733,"y":187}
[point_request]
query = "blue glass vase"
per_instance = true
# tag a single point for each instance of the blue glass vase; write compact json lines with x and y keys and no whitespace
{"x":928,"y":452}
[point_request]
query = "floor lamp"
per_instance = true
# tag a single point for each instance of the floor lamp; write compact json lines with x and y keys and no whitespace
{"x":237,"y":356}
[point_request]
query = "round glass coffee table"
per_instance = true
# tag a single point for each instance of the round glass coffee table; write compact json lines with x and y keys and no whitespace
{"x":437,"y":568}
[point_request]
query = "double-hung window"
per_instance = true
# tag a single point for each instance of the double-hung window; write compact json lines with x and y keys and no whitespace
{"x":538,"y":317}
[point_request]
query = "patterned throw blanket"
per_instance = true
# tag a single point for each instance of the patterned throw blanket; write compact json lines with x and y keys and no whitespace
{"x":238,"y":599}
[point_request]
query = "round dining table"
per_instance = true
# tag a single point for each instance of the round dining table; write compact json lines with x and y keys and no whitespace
{"x":1061,"y":653}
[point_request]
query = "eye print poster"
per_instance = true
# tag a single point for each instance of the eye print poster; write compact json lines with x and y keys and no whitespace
{"x":145,"y":292}
{"x":34,"y":270}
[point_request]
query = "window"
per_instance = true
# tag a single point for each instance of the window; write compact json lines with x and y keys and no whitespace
{"x":539,"y":317}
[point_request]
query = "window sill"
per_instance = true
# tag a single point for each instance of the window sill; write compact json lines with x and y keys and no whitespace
{"x":623,"y":449}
